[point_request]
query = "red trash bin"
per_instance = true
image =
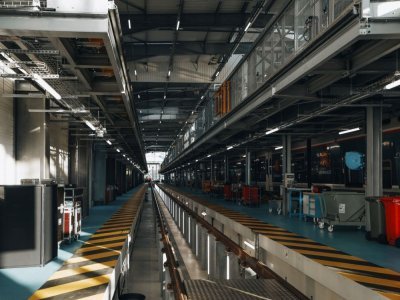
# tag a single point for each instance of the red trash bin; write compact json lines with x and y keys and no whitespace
{"x":392,"y":211}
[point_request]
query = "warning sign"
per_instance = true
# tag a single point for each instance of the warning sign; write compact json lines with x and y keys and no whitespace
{"x":342,"y":208}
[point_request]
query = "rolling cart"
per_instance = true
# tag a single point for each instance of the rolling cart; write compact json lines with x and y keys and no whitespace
{"x":72,"y":220}
{"x":250,"y":195}
{"x":342,"y":209}
{"x":312,"y":206}
{"x":275,"y":205}
{"x":227,"y":192}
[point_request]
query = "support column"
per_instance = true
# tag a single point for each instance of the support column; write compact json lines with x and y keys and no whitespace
{"x":203,"y":171}
{"x":374,"y":187}
{"x":286,"y":167}
{"x":212,"y":170}
{"x":286,"y":154}
{"x":226,"y":169}
{"x":309,"y":179}
{"x":251,"y":74}
{"x":248,"y":168}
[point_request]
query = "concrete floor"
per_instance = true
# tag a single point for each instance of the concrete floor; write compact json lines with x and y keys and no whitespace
{"x":144,"y":272}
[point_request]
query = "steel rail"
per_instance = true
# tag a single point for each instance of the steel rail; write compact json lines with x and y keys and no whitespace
{"x":171,"y":263}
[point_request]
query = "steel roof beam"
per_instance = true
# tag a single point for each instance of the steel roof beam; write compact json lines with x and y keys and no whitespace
{"x":130,"y":4}
{"x":137,"y":51}
{"x":365,"y":56}
{"x":157,"y":21}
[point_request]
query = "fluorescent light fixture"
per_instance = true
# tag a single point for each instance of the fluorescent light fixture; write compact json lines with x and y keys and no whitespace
{"x":247,"y":26}
{"x":192,"y":112}
{"x":169,"y":73}
{"x":216,"y":75}
{"x":123,"y":155}
{"x":118,"y":150}
{"x":249,"y":245}
{"x":278,"y":147}
{"x":129,"y":24}
{"x":209,"y":155}
{"x":349,"y":130}
{"x":227,"y":267}
{"x":272,"y":131}
{"x":135,"y":72}
{"x":109,"y":142}
{"x":229,"y":148}
{"x":197,"y":160}
{"x":208,"y":254}
{"x":165,"y":97}
{"x":203,"y":213}
{"x":46,"y":86}
{"x":90,"y":125}
{"x":178,"y":24}
{"x":332,"y":147}
{"x":202,"y":97}
{"x":392,"y":85}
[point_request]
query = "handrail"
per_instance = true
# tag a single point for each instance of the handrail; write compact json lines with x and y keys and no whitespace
{"x":171,"y":263}
{"x":246,"y":259}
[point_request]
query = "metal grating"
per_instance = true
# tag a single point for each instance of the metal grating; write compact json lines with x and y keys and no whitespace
{"x":238,"y":289}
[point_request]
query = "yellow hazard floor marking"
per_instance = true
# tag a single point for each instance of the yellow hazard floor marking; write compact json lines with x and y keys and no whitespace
{"x":120,"y":220}
{"x":80,"y":259}
{"x":70,"y":287}
{"x":268,"y":228}
{"x":101,"y":241}
{"x":94,"y":297}
{"x":126,"y":218}
{"x":123,"y":216}
{"x":350,"y":266}
{"x":113,"y":228}
{"x":118,"y":217}
{"x":96,"y":235}
{"x":276,"y":233}
{"x":85,"y":269}
{"x":329,"y":254}
{"x":114,"y":224}
{"x":372,"y":280}
{"x":299,"y":239}
{"x":312,"y":246}
{"x":390,"y":295}
{"x":98,"y":247}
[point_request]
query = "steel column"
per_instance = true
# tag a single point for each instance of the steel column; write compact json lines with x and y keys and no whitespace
{"x":226,"y":169}
{"x":212,"y":170}
{"x":248,"y":167}
{"x":374,"y":156}
{"x":309,"y":179}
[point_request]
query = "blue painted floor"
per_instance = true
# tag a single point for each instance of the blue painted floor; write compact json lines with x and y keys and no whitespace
{"x":20,"y":283}
{"x":346,"y":239}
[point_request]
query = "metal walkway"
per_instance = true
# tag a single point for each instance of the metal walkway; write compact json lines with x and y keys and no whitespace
{"x":239,"y":289}
{"x":144,"y":272}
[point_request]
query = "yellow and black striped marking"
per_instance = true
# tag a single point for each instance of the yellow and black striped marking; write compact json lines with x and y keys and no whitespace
{"x":384,"y":281}
{"x":86,"y":275}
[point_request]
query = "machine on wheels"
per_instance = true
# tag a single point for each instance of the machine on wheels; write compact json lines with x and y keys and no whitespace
{"x":342,"y":209}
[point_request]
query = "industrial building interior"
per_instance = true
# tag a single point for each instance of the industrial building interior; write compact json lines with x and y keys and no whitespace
{"x":185,"y":149}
